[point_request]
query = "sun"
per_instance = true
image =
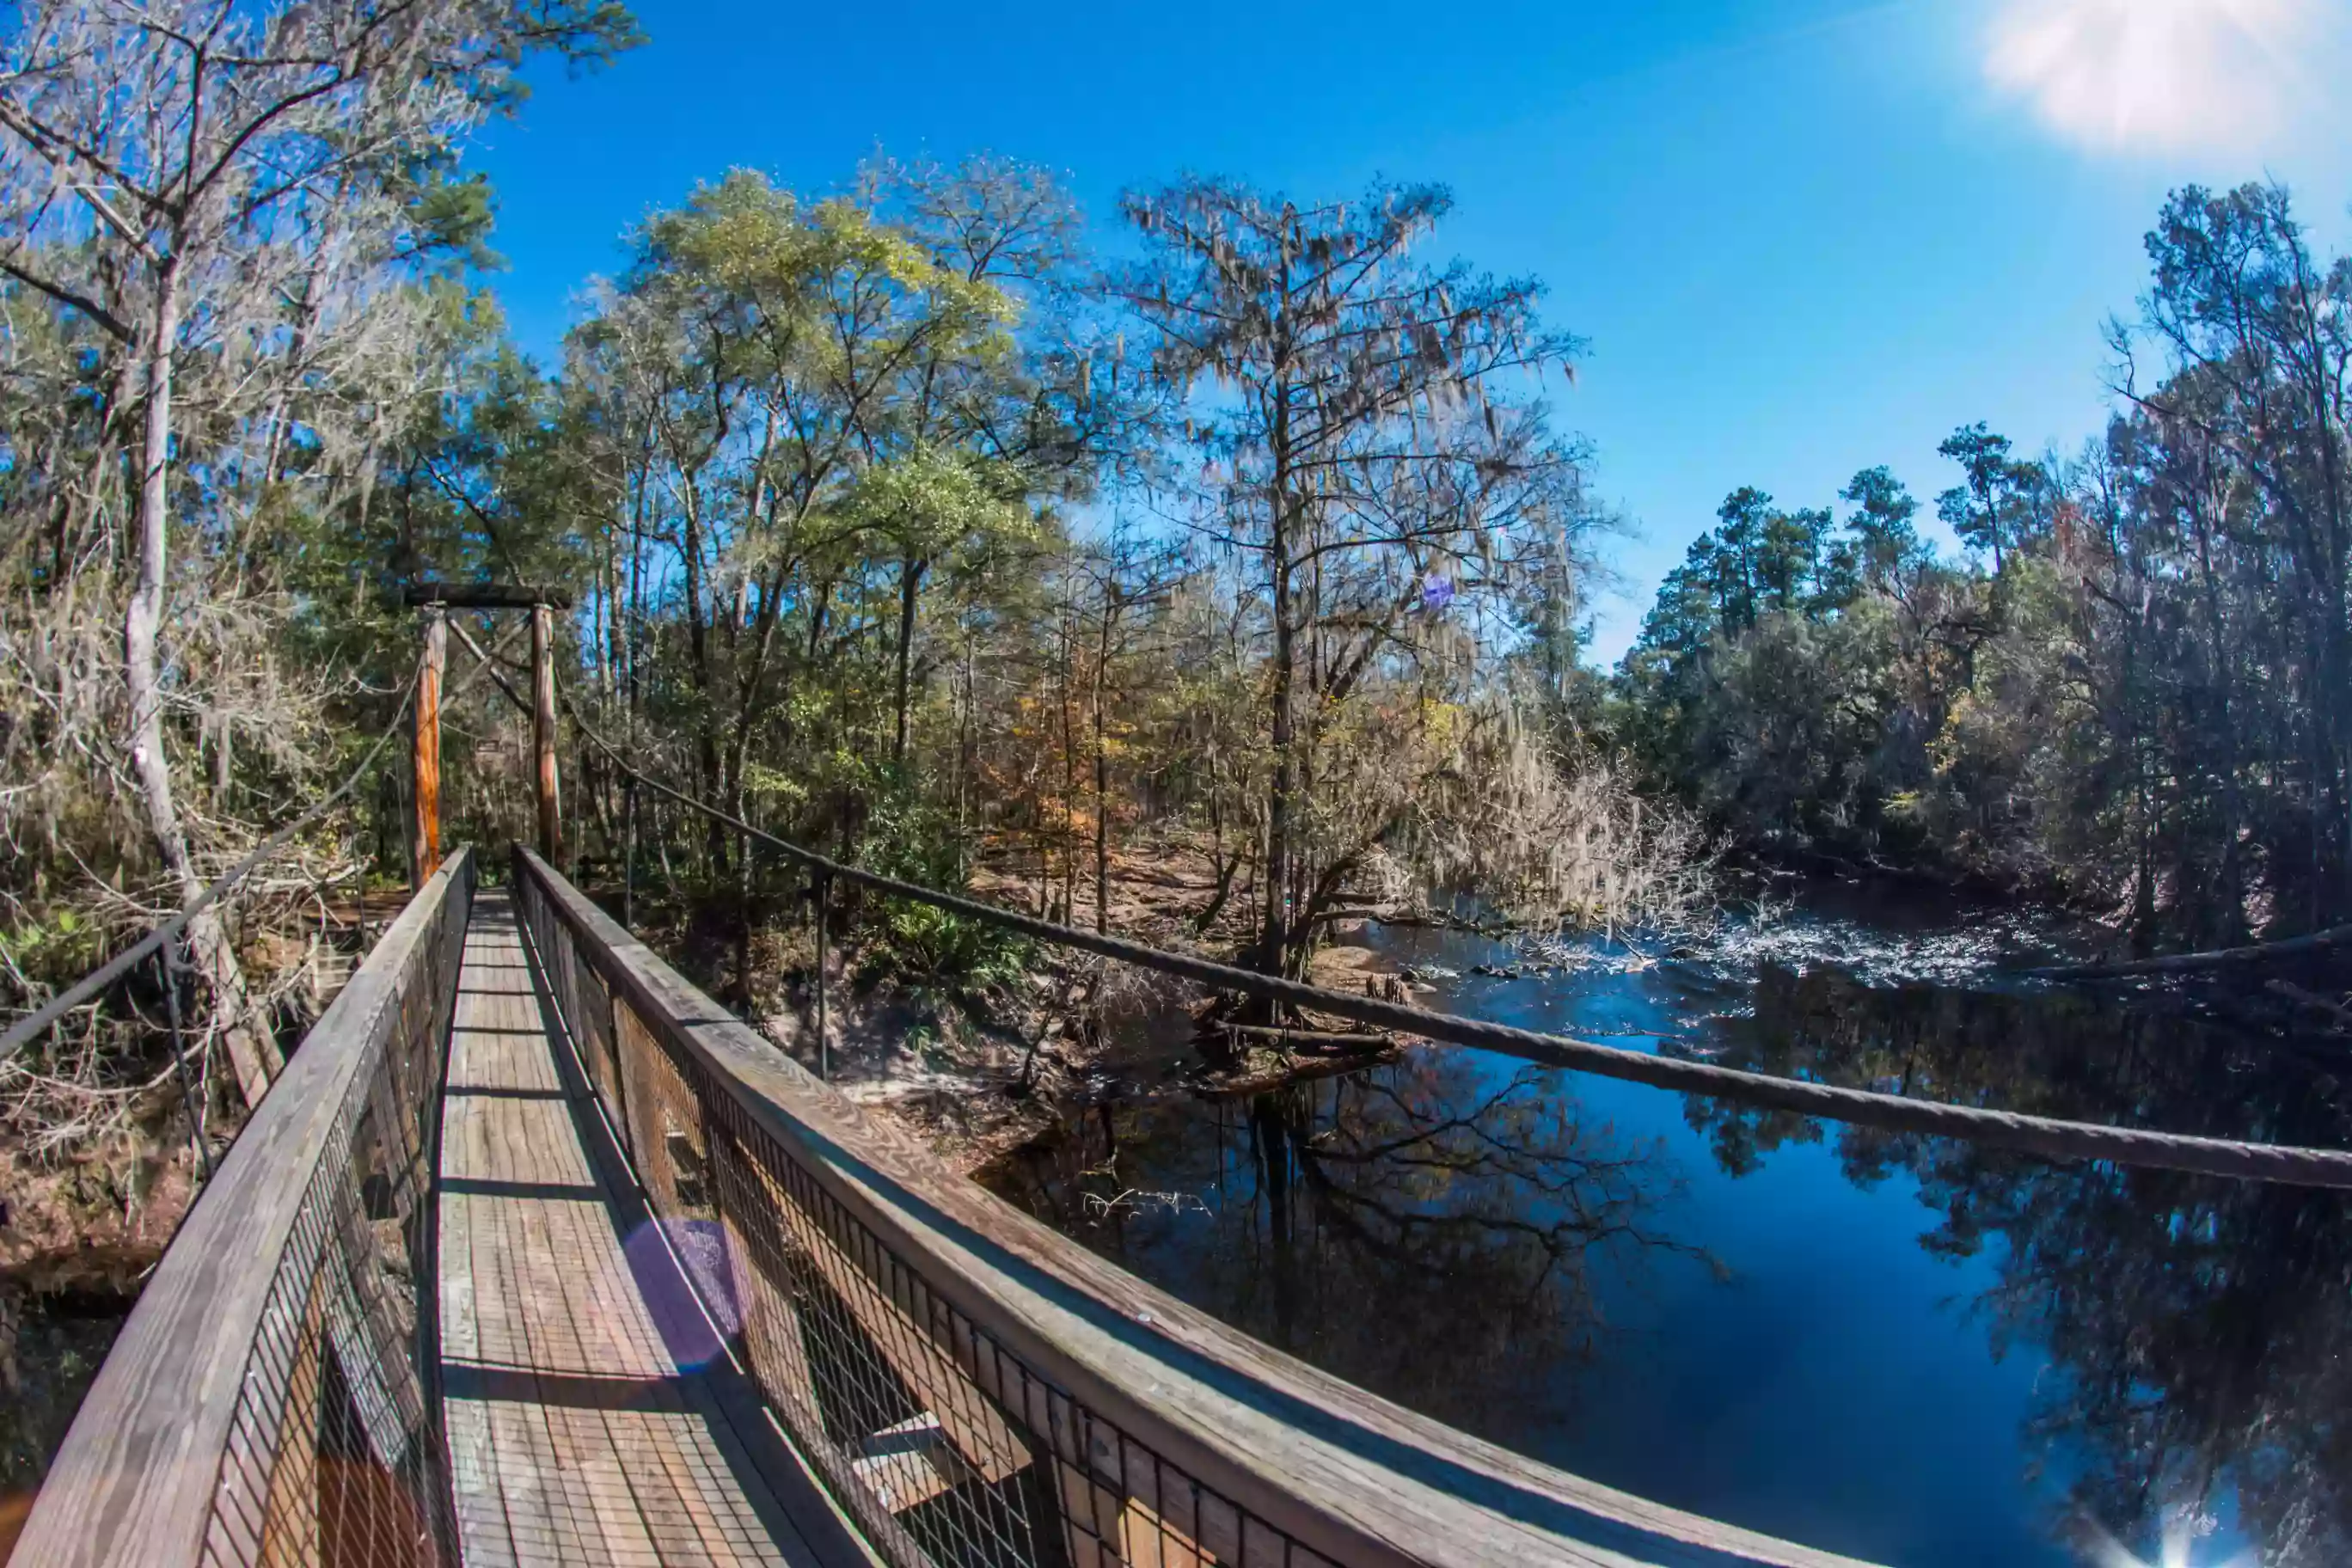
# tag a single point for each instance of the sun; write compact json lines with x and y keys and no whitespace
{"x":2161,"y":76}
{"x":2176,"y":1550}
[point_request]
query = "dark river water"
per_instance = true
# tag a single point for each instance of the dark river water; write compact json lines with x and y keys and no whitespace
{"x":1906,"y":1348}
{"x":53,"y":1346}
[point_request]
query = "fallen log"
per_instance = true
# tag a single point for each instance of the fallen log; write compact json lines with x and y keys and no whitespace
{"x":1307,"y":1037}
{"x":2190,"y":962}
{"x":1305,"y":1069}
{"x":2339,"y":1011}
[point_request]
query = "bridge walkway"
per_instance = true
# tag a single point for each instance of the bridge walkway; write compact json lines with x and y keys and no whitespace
{"x":592,"y":1412}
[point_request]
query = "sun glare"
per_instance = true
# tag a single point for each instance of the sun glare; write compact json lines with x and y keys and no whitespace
{"x":2155,"y":75}
{"x":2104,"y":1550}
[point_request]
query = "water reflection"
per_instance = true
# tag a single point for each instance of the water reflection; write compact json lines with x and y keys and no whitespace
{"x":1429,"y":1229}
{"x":2048,"y":1365}
{"x":2132,"y":1060}
{"x":2199,"y":1330}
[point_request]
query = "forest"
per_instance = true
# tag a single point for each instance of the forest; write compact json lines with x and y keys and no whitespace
{"x":2129,"y":690}
{"x":931,"y":521}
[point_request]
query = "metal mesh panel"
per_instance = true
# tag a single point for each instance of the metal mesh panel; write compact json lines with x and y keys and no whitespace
{"x":664,"y":1125}
{"x":592,"y":1006}
{"x":945,"y":1446}
{"x":336,"y":1454}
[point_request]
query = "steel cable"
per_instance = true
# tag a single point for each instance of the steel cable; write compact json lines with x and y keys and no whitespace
{"x":27,"y":1028}
{"x":2048,"y":1137}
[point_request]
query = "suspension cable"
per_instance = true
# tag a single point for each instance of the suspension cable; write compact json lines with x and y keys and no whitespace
{"x":2051,"y":1138}
{"x":26,"y":1029}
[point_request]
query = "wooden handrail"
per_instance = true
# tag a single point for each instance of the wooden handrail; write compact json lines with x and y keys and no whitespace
{"x":136,"y":1482}
{"x":1351,"y":1476}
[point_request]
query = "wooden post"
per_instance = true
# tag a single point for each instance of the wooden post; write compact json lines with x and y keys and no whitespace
{"x":543,"y":731}
{"x":425,"y":842}
{"x":823,"y":1038}
{"x":629,"y":853}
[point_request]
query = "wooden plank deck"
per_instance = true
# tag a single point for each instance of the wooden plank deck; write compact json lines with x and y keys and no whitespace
{"x":588,"y":1421}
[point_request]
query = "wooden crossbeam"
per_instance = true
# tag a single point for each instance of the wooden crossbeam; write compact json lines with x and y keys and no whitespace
{"x":484,"y":596}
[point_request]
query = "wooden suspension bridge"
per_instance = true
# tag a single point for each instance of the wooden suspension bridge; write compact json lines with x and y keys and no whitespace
{"x":534,"y":1254}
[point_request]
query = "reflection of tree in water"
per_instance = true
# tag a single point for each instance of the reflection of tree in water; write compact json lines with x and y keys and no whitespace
{"x":2201,"y":1329}
{"x":1437,"y":1229}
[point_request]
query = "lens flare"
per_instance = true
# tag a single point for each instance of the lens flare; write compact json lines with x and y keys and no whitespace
{"x":681,"y":1266}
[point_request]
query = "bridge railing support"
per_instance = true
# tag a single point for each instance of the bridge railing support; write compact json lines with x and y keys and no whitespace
{"x":972,"y":1386}
{"x":268,"y":1400}
{"x":427,"y":763}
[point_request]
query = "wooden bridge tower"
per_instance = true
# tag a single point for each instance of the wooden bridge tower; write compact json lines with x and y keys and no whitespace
{"x":436,"y":600}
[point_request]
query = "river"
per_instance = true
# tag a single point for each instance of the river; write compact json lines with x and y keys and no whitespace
{"x":50,"y":1347}
{"x":1906,"y":1348}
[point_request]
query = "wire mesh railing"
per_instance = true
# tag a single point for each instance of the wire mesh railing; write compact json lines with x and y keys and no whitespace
{"x":974,"y":1389}
{"x":273,"y":1398}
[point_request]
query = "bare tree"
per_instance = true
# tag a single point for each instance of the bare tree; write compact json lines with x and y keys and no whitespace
{"x":1358,"y":449}
{"x":202,"y":182}
{"x":1129,"y":579}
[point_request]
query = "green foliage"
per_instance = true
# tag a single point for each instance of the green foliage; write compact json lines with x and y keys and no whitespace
{"x":2139,"y":694}
{"x":933,"y":942}
{"x":930,"y":501}
{"x":915,"y":841}
{"x":1819,"y":687}
{"x":58,"y":948}
{"x":1886,"y":551}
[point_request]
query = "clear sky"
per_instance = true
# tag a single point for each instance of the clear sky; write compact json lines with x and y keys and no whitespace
{"x":1803,"y":236}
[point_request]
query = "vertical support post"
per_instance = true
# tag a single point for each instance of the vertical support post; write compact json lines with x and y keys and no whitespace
{"x":823,"y":1040}
{"x":425,"y":842}
{"x":629,"y":853}
{"x":543,"y":731}
{"x":168,"y":959}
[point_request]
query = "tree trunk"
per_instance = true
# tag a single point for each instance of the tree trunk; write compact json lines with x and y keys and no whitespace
{"x":1069,"y":797}
{"x":698,"y":646}
{"x":252,"y":1053}
{"x":546,"y":770}
{"x":1102,"y":818}
{"x":910,"y":584}
{"x":963,"y":738}
{"x":1102,"y":759}
{"x":428,"y":765}
{"x":1273,"y":931}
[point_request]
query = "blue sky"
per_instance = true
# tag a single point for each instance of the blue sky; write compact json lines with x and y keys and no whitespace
{"x":1803,"y":236}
